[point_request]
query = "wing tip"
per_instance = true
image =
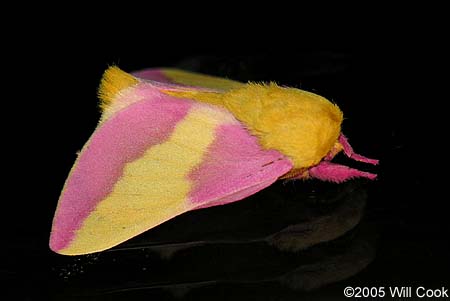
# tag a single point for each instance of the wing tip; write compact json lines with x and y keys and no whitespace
{"x":113,"y":81}
{"x":67,"y":250}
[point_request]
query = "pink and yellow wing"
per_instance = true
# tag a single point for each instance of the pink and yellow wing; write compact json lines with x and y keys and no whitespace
{"x":152,"y":158}
{"x":186,"y":78}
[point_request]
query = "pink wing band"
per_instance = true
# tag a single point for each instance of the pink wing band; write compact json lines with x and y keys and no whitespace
{"x":121,"y":140}
{"x":154,"y":75}
{"x":235,"y":167}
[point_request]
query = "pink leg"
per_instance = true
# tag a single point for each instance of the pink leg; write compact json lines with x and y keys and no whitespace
{"x":327,"y":171}
{"x":348,"y":150}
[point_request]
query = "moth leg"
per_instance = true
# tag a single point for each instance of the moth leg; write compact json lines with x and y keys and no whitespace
{"x":348,"y":151}
{"x":332,"y":172}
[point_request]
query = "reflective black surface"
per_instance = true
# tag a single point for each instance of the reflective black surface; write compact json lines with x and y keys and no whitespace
{"x":291,"y":241}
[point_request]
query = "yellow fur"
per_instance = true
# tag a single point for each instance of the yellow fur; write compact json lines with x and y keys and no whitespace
{"x":302,"y":125}
{"x":200,"y":80}
{"x":113,"y":81}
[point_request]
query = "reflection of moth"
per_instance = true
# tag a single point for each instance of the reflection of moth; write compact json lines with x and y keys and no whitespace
{"x":171,"y":141}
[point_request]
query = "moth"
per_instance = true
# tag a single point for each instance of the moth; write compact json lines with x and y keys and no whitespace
{"x":171,"y":141}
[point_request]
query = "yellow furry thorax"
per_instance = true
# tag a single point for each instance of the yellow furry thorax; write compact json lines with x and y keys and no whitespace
{"x":300,"y":124}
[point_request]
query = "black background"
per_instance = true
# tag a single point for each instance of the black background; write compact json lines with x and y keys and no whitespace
{"x":386,"y":87}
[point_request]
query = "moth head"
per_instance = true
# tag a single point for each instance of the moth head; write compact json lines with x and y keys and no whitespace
{"x":329,"y":171}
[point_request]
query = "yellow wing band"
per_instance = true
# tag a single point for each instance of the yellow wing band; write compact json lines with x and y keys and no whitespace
{"x":152,"y":189}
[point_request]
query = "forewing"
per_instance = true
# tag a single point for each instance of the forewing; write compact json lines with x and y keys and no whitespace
{"x":186,"y":78}
{"x":155,"y":158}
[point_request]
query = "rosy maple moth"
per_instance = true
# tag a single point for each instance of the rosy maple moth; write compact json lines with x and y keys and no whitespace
{"x":171,"y":141}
